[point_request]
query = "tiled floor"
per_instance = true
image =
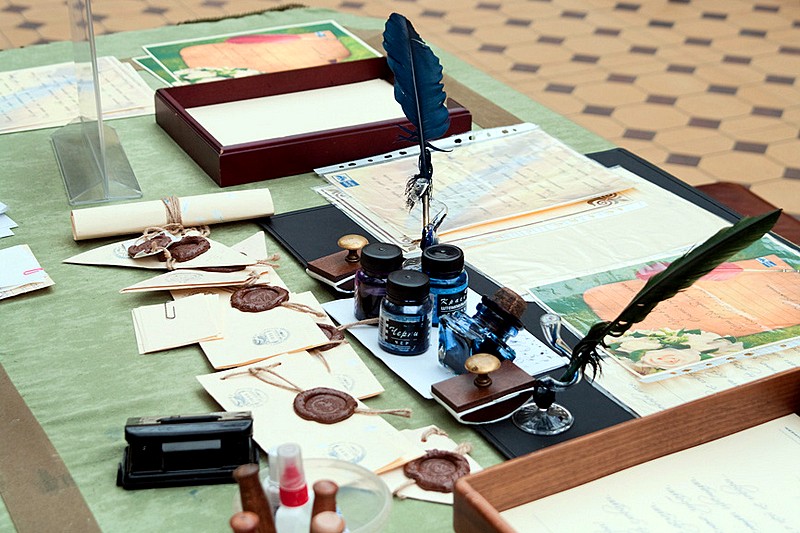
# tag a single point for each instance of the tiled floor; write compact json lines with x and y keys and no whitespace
{"x":707,"y":89}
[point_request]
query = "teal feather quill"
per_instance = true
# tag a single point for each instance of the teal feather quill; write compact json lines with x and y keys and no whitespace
{"x":679,"y":275}
{"x":419,"y":90}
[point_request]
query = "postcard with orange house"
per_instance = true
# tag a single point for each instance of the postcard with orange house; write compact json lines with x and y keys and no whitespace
{"x":746,"y":307}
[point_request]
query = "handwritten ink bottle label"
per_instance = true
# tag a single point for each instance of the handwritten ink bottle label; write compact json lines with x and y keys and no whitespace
{"x":444,"y":264}
{"x":377,"y":261}
{"x":404,"y":326}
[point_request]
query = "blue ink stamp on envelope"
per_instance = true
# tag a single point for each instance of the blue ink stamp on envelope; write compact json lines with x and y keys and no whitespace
{"x":345,"y":181}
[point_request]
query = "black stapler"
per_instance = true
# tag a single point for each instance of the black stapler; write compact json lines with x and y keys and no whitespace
{"x":170,"y":451}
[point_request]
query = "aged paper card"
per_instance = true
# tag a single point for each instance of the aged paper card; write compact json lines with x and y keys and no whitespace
{"x":177,"y":323}
{"x":364,"y":439}
{"x":747,"y":481}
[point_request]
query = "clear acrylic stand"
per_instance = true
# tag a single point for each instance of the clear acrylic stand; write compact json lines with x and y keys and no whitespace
{"x":92,"y":162}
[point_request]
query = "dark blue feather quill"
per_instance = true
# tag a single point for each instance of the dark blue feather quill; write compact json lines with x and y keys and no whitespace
{"x":419,"y":90}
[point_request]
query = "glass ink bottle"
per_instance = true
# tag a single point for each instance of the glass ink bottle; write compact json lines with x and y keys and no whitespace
{"x":444,"y":265}
{"x":404,"y":327}
{"x":377,"y":261}
{"x":497,"y":320}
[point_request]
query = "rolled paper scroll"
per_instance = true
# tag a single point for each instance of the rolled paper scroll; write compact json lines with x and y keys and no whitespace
{"x":204,"y":209}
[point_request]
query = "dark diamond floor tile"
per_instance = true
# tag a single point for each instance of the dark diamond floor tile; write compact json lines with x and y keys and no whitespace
{"x":621,"y":78}
{"x":766,"y":8}
{"x":679,"y":1}
{"x":748,"y":32}
{"x":715,"y":16}
{"x":549,"y":39}
{"x":697,"y":41}
{"x":660,"y":99}
{"x":683,"y":159}
{"x":737,"y":60}
{"x":492,"y":48}
{"x":783,"y":80}
{"x":643,"y":135}
{"x":351,"y":5}
{"x":625,"y":6}
{"x":611,"y":32}
{"x":661,"y":23}
{"x":683,"y":69}
{"x":525,"y":67}
{"x":756,"y":148}
{"x":524,"y":23}
{"x":430,"y":13}
{"x":489,"y":6}
{"x":794,"y":50}
{"x":792,"y":173}
{"x":585,"y":58}
{"x":559,"y":88}
{"x":30,"y":25}
{"x":154,"y":10}
{"x":569,"y":14}
{"x":462,"y":30}
{"x":722,"y":89}
{"x":14,"y":8}
{"x":647,"y":50}
{"x":598,"y":110}
{"x":704,"y":123}
{"x":768,"y":112}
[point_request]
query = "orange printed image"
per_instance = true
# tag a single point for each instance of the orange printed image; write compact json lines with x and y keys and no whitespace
{"x":267,"y":53}
{"x":735,"y":299}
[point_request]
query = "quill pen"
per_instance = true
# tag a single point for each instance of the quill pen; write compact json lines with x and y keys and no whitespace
{"x":419,"y":90}
{"x":679,"y":275}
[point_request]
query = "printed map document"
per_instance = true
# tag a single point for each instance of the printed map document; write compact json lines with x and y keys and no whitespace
{"x":45,"y":97}
{"x":747,"y":481}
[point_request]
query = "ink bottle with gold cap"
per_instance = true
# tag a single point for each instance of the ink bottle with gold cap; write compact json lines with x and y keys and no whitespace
{"x":404,"y":326}
{"x":488,"y":331}
{"x":377,"y":261}
{"x":444,"y":264}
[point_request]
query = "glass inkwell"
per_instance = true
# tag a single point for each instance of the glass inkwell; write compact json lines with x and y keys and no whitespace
{"x":497,"y":320}
{"x":542,"y":416}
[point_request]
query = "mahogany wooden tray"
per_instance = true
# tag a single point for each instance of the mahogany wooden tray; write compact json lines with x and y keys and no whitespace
{"x":284,"y":156}
{"x":479,"y":498}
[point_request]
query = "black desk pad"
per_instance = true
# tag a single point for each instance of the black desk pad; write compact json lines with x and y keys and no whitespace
{"x":312,"y":233}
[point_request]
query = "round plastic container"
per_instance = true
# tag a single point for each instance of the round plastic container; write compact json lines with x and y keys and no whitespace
{"x":363,"y":498}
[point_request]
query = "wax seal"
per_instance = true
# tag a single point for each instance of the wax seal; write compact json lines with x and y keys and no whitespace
{"x":437,"y":470}
{"x":258,"y":298}
{"x":333,"y":334}
{"x":324,"y":405}
{"x":187,"y":248}
{"x":149,"y":246}
{"x":225,"y":269}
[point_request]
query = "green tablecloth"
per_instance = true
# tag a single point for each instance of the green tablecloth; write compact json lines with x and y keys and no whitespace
{"x":70,"y":350}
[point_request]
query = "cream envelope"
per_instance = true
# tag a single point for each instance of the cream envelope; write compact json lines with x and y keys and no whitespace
{"x":177,"y":323}
{"x":364,"y":439}
{"x":254,"y":247}
{"x":21,"y":272}
{"x":116,"y":254}
{"x":250,"y":337}
{"x":433,"y":441}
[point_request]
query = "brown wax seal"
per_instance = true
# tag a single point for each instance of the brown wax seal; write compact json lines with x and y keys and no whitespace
{"x":223,"y":269}
{"x":187,"y":248}
{"x":324,"y":405}
{"x":150,"y":245}
{"x":333,"y":334}
{"x":258,"y":298}
{"x":437,"y":470}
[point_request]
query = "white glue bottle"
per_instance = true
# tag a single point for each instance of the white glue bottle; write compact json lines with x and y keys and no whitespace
{"x":294,"y":514}
{"x":272,"y":487}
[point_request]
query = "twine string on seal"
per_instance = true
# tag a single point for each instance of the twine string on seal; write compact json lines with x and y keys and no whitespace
{"x":263,"y":372}
{"x":365,"y":322}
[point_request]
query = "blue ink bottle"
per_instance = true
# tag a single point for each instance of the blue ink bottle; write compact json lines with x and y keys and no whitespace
{"x":377,"y":261}
{"x":404,"y":326}
{"x":444,"y":265}
{"x":497,"y":320}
